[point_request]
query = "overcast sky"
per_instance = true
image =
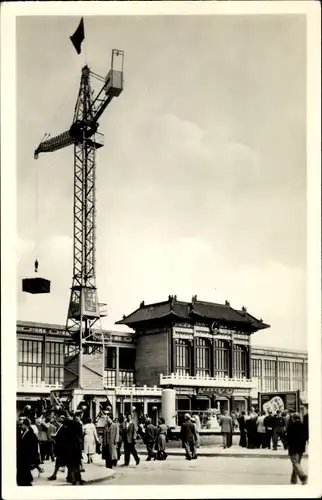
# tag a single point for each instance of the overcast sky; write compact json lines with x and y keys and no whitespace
{"x":202,"y":180}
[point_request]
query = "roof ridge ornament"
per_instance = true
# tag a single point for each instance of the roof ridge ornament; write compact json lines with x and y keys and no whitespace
{"x":227,"y":303}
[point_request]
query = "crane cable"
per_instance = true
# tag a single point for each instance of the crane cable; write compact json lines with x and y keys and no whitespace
{"x":37,"y":216}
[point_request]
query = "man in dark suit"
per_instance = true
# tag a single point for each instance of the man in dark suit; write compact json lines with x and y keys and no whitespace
{"x":27,"y":453}
{"x":189,"y":437}
{"x":74,"y":446}
{"x":297,"y":437}
{"x":130,"y":434}
{"x":269,"y":424}
{"x":149,"y":438}
{"x":226,"y":424}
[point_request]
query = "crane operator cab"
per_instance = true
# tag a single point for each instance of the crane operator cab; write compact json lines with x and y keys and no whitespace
{"x":114,"y":79}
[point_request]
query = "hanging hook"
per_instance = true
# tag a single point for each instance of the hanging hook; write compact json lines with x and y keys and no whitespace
{"x":36,"y":266}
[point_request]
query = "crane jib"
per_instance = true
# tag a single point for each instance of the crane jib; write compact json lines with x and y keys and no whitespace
{"x":73,"y":135}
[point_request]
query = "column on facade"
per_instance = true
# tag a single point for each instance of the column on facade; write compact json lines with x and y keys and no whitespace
{"x":117,"y":367}
{"x":43,"y":359}
{"x":193,"y":350}
{"x":145,"y":406}
{"x":174,"y":356}
{"x":249,"y":362}
{"x":276,"y":375}
{"x":212,"y":358}
{"x":231,"y":368}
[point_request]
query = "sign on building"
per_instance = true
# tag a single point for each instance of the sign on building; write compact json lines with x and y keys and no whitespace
{"x":273,"y":401}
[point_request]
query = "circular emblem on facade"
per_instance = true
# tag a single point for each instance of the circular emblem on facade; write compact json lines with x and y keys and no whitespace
{"x":215,"y":327}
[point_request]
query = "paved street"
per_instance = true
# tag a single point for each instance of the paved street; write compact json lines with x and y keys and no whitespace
{"x":205,"y":471}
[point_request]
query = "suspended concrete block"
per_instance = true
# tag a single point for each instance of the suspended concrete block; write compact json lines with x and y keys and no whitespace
{"x":35,"y":285}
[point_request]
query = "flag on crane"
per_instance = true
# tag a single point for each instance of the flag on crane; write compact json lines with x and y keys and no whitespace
{"x":78,"y":37}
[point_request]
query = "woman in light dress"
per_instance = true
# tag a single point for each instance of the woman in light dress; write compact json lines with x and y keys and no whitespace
{"x":161,"y":439}
{"x":90,"y":440}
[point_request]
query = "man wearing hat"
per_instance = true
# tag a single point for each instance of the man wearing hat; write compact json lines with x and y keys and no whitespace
{"x":189,"y":437}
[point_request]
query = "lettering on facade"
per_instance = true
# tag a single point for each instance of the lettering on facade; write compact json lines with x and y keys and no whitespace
{"x":121,"y":339}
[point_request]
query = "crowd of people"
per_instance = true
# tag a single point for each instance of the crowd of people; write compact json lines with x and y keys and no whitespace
{"x":265,"y":430}
{"x":66,"y":437}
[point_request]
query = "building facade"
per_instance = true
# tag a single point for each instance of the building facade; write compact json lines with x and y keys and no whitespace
{"x":202,"y":350}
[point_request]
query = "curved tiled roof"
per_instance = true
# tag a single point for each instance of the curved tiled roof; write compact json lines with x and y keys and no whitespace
{"x":189,"y":311}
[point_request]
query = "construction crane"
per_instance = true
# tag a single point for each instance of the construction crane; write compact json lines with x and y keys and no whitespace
{"x":84,"y":365}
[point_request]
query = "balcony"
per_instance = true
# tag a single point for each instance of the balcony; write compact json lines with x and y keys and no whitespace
{"x":37,"y":387}
{"x":138,"y":391}
{"x":216,"y":382}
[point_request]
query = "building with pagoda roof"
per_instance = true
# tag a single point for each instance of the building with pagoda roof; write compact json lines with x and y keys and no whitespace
{"x":201,"y":349}
{"x":183,"y":349}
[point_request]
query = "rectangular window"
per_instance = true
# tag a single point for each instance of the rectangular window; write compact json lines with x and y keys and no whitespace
{"x":54,"y":354}
{"x":257,"y":371}
{"x":110,"y":378}
{"x":126,"y":358}
{"x":269,"y":382}
{"x":284,"y":375}
{"x":110,"y":358}
{"x":203,"y":357}
{"x":297,"y":378}
{"x":240,"y":361}
{"x":183,"y":357}
{"x":221,"y":358}
{"x":29,"y":361}
{"x":127,"y":378}
{"x":305,"y":376}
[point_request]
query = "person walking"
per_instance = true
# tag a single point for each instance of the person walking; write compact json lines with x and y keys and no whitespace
{"x":42,"y":427}
{"x":74,"y":446}
{"x":51,"y":431}
{"x":122,"y":428}
{"x":109,"y":443}
{"x":243,"y":436}
{"x":226,"y":424}
{"x":27,"y":457}
{"x":90,"y":440}
{"x":297,"y":438}
{"x":161,"y":439}
{"x":269,"y":424}
{"x":251,"y":428}
{"x":60,"y":447}
{"x":194,"y":421}
{"x":150,"y":439}
{"x":279,"y":430}
{"x":130,"y":434}
{"x":188,"y":437}
{"x":261,"y":431}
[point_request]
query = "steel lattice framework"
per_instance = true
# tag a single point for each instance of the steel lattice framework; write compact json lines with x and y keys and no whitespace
{"x":84,"y":309}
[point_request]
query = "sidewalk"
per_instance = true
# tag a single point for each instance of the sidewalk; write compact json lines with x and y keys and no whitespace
{"x":94,"y":473}
{"x":234,"y":451}
{"x":97,"y":472}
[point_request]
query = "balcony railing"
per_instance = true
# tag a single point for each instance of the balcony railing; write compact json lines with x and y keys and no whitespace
{"x":190,"y":381}
{"x":35,"y":387}
{"x":138,"y":391}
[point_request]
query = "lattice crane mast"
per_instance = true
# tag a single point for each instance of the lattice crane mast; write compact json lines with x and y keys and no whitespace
{"x":84,"y":309}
